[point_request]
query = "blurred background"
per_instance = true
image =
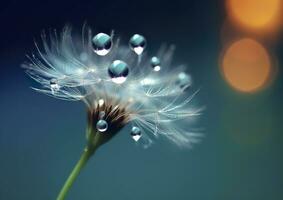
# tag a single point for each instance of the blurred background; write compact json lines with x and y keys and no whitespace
{"x":233,"y":49}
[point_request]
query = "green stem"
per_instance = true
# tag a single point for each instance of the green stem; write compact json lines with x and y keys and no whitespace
{"x":88,"y":152}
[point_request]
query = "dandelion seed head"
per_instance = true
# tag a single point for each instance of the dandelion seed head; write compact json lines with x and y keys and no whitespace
{"x":119,"y":84}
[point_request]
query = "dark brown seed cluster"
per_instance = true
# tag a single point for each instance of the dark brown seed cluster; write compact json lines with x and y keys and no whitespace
{"x":115,"y":115}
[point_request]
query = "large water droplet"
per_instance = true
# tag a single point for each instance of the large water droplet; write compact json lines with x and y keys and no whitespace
{"x":137,"y":43}
{"x":54,"y":86}
{"x":102,"y":125}
{"x":102,"y":44}
{"x":136,"y":133}
{"x":155,"y":64}
{"x":118,"y":71}
{"x":183,"y":80}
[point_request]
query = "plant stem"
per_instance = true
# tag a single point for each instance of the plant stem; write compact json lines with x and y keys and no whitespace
{"x":88,"y":152}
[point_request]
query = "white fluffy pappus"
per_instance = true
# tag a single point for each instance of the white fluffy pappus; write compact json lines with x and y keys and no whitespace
{"x":156,"y":98}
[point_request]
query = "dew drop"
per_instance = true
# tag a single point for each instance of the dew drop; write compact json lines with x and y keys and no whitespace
{"x":155,"y":64}
{"x":137,"y":43}
{"x":183,"y":80}
{"x":102,"y":125}
{"x":118,"y":71}
{"x":136,"y":133}
{"x":101,"y":114}
{"x":54,"y":86}
{"x":102,"y":44}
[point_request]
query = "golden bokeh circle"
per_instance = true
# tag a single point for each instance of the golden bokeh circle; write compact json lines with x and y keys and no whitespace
{"x":246,"y":65}
{"x":254,"y":13}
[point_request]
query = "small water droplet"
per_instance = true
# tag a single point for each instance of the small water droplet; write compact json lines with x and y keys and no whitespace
{"x":102,"y":125}
{"x":118,"y":71}
{"x":137,"y":43}
{"x":54,"y":86}
{"x":102,"y":44}
{"x":101,"y":114}
{"x":183,"y":80}
{"x":136,"y":133}
{"x":155,"y":64}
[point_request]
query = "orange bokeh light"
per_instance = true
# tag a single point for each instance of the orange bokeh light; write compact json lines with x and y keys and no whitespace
{"x":255,"y":14}
{"x":246,"y":65}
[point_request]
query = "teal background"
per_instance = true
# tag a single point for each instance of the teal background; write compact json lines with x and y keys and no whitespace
{"x":41,"y":138}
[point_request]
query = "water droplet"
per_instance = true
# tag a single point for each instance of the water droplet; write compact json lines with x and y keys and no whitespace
{"x":101,"y":114}
{"x":102,"y":44}
{"x":137,"y":43}
{"x":102,"y":125}
{"x":155,"y":63}
{"x":118,"y":71}
{"x":136,"y":133}
{"x":54,"y":86}
{"x":183,"y":80}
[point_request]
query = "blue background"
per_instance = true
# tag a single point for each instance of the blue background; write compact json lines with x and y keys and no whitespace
{"x":41,"y":138}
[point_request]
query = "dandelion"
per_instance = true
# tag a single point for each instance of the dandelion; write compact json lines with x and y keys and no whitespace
{"x":120,"y":85}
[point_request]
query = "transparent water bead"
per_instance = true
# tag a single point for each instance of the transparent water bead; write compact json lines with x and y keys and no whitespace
{"x":118,"y":71}
{"x":102,"y":44}
{"x":101,"y":114}
{"x":155,"y":64}
{"x":54,"y":86}
{"x":101,"y":125}
{"x":183,"y":80}
{"x":137,"y":43}
{"x":136,"y":133}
